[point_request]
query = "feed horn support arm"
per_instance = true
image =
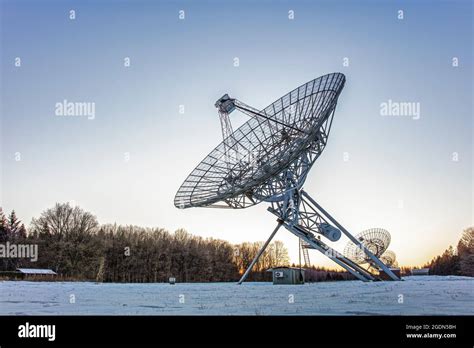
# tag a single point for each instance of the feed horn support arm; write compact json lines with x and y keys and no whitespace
{"x":226,"y":105}
{"x":252,"y":112}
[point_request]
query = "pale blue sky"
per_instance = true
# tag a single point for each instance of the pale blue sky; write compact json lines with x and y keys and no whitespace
{"x":190,"y":62}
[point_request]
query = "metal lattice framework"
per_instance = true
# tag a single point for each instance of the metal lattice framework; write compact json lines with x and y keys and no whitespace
{"x":376,"y":240}
{"x":304,"y":246}
{"x":268,"y":159}
{"x":247,"y":167}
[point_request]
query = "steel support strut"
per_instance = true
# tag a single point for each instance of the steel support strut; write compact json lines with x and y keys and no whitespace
{"x":374,"y":258}
{"x":280,"y":223}
{"x":342,"y":261}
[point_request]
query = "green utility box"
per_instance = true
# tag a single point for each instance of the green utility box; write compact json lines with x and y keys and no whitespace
{"x":287,"y":275}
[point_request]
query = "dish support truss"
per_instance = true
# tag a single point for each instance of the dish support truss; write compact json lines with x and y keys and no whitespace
{"x":306,"y":218}
{"x":298,"y":212}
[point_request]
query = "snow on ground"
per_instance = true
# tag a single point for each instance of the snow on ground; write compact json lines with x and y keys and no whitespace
{"x":422,"y":295}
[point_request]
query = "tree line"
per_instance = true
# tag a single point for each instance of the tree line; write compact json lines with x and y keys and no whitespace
{"x":459,"y":261}
{"x":72,"y":243}
{"x":11,"y":229}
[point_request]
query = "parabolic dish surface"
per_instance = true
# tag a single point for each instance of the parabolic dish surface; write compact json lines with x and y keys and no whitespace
{"x":260,"y":149}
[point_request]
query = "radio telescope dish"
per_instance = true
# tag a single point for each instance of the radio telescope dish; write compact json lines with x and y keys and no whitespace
{"x":268,"y":159}
{"x":389,"y":258}
{"x":374,"y":239}
{"x":247,"y":167}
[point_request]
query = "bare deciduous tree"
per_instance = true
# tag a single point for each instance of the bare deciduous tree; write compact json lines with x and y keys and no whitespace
{"x":64,"y":233}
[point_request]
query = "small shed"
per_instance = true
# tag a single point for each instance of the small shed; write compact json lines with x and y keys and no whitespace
{"x":287,"y":275}
{"x":421,"y":271}
{"x":36,"y":272}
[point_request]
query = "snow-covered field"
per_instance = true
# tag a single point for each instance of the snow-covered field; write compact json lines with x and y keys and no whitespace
{"x":428,"y":295}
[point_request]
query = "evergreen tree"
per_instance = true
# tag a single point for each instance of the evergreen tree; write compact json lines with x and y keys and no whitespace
{"x":4,"y":230}
{"x":13,"y":223}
